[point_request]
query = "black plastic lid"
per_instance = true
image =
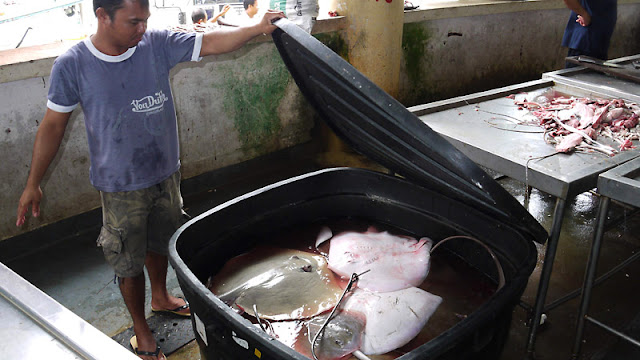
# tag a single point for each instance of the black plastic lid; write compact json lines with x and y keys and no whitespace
{"x":380,"y":127}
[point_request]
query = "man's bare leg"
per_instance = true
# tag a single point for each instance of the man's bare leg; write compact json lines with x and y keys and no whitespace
{"x":157,"y":269}
{"x":133,"y":290}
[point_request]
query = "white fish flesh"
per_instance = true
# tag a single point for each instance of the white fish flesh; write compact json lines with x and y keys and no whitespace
{"x":392,"y":318}
{"x":393,"y":262}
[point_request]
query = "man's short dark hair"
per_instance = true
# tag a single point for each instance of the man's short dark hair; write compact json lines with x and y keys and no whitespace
{"x":110,"y":6}
{"x":198,"y":14}
{"x":249,"y":2}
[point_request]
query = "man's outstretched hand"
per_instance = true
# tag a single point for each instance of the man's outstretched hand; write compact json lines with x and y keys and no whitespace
{"x":31,"y":197}
{"x":267,"y":20}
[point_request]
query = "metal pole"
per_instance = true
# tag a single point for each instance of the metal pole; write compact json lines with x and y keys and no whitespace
{"x":545,"y":276}
{"x":590,"y":274}
{"x":606,"y":226}
{"x":614,"y":331}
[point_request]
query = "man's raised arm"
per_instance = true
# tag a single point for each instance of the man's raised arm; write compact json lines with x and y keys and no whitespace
{"x":224,"y":40}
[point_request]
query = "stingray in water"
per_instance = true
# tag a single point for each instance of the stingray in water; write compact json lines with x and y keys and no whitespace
{"x":367,"y":323}
{"x":394,"y":262}
{"x":392,"y":318}
{"x":383,"y":313}
{"x":341,"y":336}
{"x":277,"y":284}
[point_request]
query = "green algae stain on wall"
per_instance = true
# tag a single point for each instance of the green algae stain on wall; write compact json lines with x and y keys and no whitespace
{"x":335,"y":42}
{"x":415,"y":39}
{"x":414,"y":42}
{"x":253,"y":89}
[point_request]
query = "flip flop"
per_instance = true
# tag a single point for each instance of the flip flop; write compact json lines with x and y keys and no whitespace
{"x":176,"y":310}
{"x":134,"y":345}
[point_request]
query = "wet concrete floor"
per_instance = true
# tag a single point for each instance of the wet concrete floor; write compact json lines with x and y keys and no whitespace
{"x":63,"y":261}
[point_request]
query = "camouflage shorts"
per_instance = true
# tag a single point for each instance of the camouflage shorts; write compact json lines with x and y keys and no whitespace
{"x":135,"y":222}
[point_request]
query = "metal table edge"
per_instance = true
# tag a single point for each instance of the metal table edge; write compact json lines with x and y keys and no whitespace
{"x":60,"y":322}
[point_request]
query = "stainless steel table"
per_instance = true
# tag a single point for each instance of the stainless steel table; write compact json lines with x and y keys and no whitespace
{"x":621,"y":183}
{"x":581,"y":77}
{"x":479,"y":126}
{"x":35,"y":326}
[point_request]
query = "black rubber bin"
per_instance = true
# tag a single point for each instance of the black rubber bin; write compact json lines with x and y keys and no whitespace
{"x":438,"y":193}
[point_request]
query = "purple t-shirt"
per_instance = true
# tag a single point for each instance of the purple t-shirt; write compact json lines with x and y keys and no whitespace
{"x":128,"y":106}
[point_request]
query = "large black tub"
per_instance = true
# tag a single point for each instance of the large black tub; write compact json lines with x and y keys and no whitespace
{"x":439,"y":193}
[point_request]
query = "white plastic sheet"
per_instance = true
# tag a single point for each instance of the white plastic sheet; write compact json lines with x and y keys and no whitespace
{"x":301,"y":12}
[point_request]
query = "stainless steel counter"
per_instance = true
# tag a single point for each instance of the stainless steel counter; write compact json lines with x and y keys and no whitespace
{"x":585,"y":78}
{"x":35,"y":326}
{"x":486,"y":127}
{"x":622,"y":184}
{"x":481,"y":126}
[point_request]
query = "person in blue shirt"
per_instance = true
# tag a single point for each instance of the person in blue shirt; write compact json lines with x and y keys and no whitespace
{"x":589,"y":29}
{"x":120,"y":77}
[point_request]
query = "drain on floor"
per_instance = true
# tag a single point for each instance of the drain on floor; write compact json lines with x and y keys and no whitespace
{"x":171,"y":332}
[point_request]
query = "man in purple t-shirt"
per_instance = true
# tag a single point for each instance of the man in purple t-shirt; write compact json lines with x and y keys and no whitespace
{"x":120,"y":77}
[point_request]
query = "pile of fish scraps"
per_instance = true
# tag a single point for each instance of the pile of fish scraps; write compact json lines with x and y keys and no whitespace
{"x":379,"y":309}
{"x":576,"y":124}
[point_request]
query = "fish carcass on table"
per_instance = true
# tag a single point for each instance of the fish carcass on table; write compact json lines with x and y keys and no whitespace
{"x":393,"y":262}
{"x":569,"y":142}
{"x":564,"y":118}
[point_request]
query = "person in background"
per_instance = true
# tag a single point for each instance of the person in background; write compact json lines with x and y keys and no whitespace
{"x":589,"y":29}
{"x":250,"y":10}
{"x":199,"y":15}
{"x":247,"y":17}
{"x":120,"y":77}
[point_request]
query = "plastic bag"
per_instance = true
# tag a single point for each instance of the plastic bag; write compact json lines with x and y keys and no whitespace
{"x":301,"y":12}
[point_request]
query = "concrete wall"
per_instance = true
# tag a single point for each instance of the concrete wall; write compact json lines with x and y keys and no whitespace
{"x":239,"y":106}
{"x":449,"y":52}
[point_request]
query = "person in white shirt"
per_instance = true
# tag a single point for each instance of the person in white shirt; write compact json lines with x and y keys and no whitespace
{"x":247,"y":17}
{"x":250,"y":8}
